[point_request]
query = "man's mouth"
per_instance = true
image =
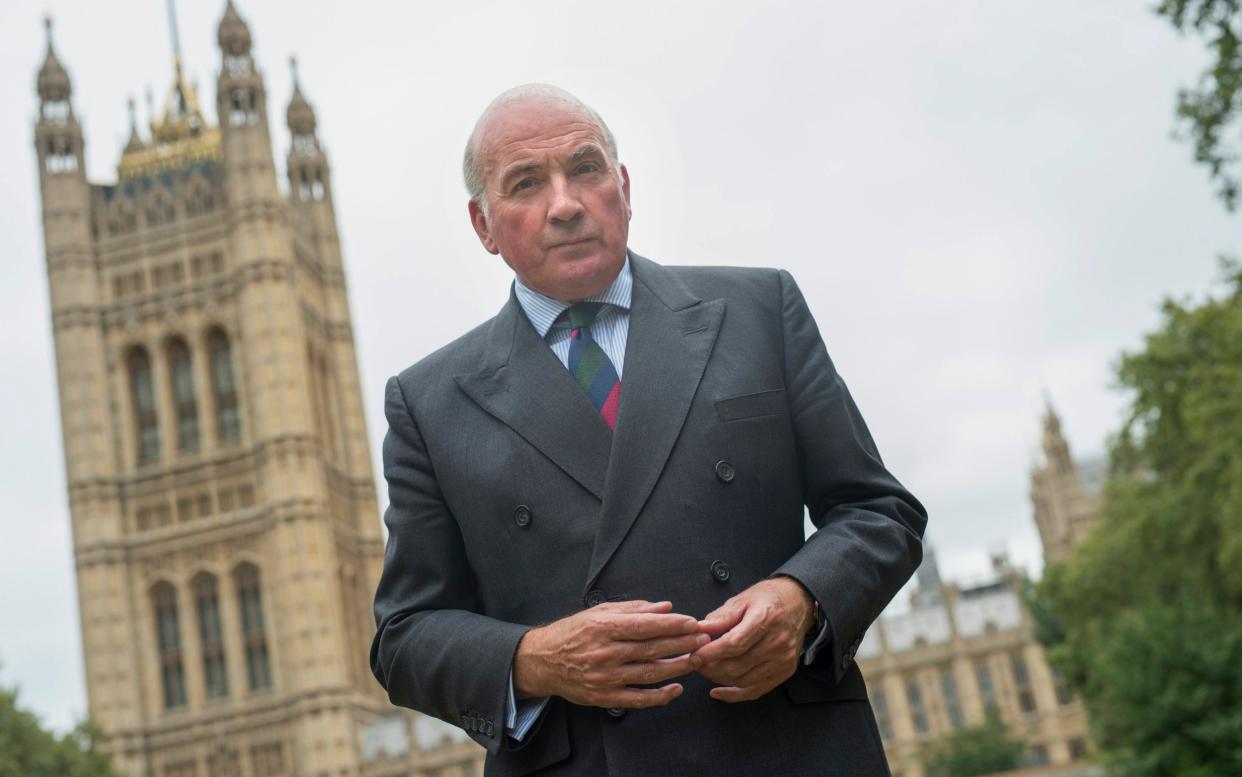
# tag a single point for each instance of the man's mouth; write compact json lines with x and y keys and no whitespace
{"x":566,"y":243}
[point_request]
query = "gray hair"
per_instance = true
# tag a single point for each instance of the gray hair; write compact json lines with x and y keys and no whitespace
{"x":469,"y":161}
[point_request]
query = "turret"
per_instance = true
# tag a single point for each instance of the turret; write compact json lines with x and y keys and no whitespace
{"x":241,"y":102}
{"x":307,"y":164}
{"x":73,"y":280}
{"x":58,"y":135}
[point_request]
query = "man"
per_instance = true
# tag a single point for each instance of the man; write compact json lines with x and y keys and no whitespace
{"x":596,"y":562}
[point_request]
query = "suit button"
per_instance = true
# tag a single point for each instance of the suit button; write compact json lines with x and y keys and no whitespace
{"x":725,"y":471}
{"x":521,"y":516}
{"x":488,"y":729}
{"x":720,"y":571}
{"x":616,"y":712}
{"x":595,"y":598}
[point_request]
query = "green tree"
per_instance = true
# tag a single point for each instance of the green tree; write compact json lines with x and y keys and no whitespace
{"x":1211,"y":111}
{"x":977,"y":750}
{"x":28,"y":750}
{"x":1145,"y":618}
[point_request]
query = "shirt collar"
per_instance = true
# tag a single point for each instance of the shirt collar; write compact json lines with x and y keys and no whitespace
{"x":543,"y":310}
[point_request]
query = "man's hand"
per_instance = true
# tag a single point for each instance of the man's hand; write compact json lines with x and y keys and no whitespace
{"x":592,"y":656}
{"x":761,"y":632}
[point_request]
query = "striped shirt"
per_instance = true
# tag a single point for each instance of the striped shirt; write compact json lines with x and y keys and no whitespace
{"x":611,"y":327}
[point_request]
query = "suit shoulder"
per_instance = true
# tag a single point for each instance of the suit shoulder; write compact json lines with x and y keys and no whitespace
{"x":759,"y":284}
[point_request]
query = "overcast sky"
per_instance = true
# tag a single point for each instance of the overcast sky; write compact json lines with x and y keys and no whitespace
{"x":980,"y":200}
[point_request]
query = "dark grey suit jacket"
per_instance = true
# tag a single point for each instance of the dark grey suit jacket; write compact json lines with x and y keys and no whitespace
{"x":512,"y":504}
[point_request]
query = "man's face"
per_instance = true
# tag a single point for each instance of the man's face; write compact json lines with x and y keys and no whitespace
{"x":559,"y":208}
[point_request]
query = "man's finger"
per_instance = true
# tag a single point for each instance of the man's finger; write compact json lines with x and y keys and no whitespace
{"x":640,"y":698}
{"x":733,"y":694}
{"x":730,"y":671}
{"x":660,"y":648}
{"x":739,"y":639}
{"x":631,"y":626}
{"x":651,"y":672}
{"x":636,"y":605}
{"x":723,"y":618}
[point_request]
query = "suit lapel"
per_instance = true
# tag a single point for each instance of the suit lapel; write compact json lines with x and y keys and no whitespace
{"x":524,"y":385}
{"x":671,"y":336}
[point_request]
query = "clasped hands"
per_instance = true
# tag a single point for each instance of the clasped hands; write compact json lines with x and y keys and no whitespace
{"x":747,"y":646}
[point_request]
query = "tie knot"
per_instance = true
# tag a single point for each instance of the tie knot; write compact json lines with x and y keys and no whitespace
{"x":582,"y":314}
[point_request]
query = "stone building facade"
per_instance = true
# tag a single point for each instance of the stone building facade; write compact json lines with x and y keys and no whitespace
{"x":225,"y":527}
{"x":960,"y":651}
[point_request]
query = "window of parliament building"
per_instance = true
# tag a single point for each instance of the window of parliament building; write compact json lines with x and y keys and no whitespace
{"x":226,"y":534}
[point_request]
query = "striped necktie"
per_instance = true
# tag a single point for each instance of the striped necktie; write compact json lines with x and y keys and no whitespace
{"x":589,"y":364}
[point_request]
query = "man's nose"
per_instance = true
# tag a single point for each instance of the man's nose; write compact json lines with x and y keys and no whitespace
{"x":565,"y":206}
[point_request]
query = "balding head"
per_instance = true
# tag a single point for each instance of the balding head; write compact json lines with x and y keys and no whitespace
{"x":475,"y":158}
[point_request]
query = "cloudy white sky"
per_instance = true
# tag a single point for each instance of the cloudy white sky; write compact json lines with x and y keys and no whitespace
{"x":980,"y":200}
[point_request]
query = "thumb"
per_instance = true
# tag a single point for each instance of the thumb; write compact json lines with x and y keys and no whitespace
{"x":723,"y":618}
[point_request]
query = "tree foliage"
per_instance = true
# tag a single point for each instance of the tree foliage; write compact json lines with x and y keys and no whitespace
{"x":28,"y":750}
{"x":977,"y":750}
{"x":1146,"y":616}
{"x":1211,"y":110}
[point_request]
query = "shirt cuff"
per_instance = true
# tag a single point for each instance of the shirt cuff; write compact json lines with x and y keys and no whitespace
{"x":813,"y":646}
{"x":521,"y":716}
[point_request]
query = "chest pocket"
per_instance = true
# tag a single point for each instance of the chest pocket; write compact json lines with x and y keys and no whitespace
{"x":755,"y":405}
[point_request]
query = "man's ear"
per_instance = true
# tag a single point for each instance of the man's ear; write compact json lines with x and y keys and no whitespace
{"x":625,"y":190}
{"x":479,"y":221}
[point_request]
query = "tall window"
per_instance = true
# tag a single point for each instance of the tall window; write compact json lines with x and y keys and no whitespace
{"x":268,"y":760}
{"x":143,"y":393}
{"x":879,"y":705}
{"x":211,"y":636}
{"x":182,"y":374}
{"x":258,"y":669}
{"x":952,"y":704}
{"x":168,"y":641}
{"x":1022,"y":683}
{"x":224,"y":762}
{"x":987,"y":688}
{"x":224,"y":388}
{"x":1061,"y":686}
{"x":918,"y":715}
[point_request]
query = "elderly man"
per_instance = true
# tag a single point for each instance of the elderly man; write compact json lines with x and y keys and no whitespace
{"x":596,"y":562}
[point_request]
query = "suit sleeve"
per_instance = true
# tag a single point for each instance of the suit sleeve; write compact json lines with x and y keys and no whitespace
{"x":434,"y":651}
{"x":869,"y":529}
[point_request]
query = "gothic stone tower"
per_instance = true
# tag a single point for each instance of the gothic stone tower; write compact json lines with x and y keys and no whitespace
{"x":1066,"y":506}
{"x":225,"y":527}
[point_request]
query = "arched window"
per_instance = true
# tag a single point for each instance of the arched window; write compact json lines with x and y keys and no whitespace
{"x":250,"y":599}
{"x":142,"y":391}
{"x":182,"y":374}
{"x":224,"y":388}
{"x":168,"y":642}
{"x":211,"y":636}
{"x":160,"y":210}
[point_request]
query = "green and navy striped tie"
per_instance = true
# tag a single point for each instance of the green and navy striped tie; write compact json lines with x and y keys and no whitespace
{"x":589,"y":364}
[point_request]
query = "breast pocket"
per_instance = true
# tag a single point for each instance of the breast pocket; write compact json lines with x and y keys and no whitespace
{"x":757,"y":405}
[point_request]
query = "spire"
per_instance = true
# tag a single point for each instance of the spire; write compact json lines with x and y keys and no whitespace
{"x":1056,"y":449}
{"x":53,"y":82}
{"x":135,"y":140}
{"x":233,"y":34}
{"x":182,"y":116}
{"x":300,"y":116}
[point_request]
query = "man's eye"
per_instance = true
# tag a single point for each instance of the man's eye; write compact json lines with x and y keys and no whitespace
{"x":525,"y":183}
{"x":587,"y":167}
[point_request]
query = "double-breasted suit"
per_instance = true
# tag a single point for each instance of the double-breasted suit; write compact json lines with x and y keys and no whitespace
{"x":513,"y":504}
